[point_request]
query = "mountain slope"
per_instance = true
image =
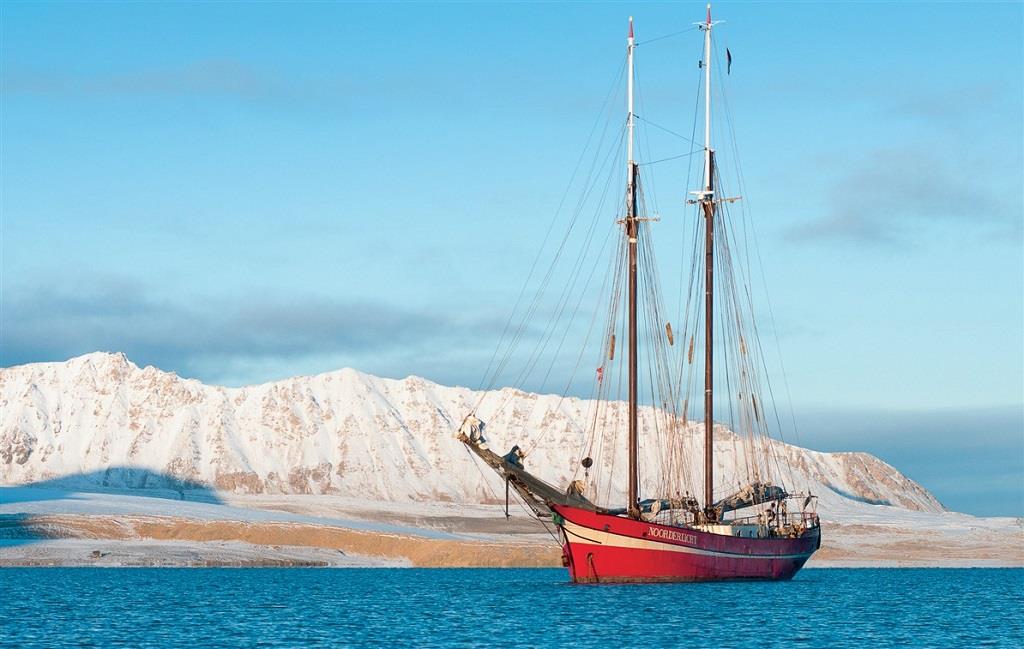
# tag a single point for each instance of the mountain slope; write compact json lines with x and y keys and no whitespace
{"x":101,"y":420}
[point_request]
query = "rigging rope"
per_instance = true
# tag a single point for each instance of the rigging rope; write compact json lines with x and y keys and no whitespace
{"x":488,"y":385}
{"x":661,"y":38}
{"x":669,"y":131}
{"x":675,"y":157}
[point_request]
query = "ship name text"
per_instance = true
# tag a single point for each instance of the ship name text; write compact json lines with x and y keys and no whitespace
{"x":671,"y":535}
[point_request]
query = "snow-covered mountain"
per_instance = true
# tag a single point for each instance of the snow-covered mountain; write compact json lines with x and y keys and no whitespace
{"x":102,"y":420}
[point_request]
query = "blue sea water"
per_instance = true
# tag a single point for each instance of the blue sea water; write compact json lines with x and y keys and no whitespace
{"x":205,"y":607}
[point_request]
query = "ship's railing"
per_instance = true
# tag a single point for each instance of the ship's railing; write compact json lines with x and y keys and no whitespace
{"x":781,"y":524}
{"x":805,"y":518}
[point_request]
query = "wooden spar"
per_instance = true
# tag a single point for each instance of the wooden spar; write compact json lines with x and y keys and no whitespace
{"x":709,"y":350}
{"x":632,"y":227}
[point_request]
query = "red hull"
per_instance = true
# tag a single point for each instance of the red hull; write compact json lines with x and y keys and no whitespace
{"x":615,"y":549}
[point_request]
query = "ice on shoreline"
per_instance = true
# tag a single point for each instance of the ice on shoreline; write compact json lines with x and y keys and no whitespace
{"x":310,"y":530}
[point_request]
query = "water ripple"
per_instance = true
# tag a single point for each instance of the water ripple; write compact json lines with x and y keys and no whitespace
{"x":88,"y":607}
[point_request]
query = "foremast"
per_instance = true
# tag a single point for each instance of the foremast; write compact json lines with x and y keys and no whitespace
{"x":706,"y":198}
{"x":632,"y":231}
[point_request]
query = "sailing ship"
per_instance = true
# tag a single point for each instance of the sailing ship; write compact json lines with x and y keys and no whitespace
{"x":764,"y":530}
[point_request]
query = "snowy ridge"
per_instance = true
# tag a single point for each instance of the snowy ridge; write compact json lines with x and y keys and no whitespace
{"x":100,"y":419}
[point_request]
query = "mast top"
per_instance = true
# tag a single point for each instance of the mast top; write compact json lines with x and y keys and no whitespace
{"x":708,"y":23}
{"x":630,"y":46}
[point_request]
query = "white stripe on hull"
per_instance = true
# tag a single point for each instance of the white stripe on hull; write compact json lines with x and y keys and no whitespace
{"x":577,"y":534}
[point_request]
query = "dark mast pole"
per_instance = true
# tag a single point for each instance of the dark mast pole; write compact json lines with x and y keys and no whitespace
{"x":709,"y":350}
{"x":632,"y":230}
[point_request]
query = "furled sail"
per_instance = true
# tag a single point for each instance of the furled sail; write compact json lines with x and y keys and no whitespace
{"x":753,"y":494}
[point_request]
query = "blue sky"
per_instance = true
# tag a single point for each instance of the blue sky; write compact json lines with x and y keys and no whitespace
{"x":243,"y":192}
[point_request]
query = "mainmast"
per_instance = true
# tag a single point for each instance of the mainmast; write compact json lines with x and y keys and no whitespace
{"x":632,"y":223}
{"x":707,"y":201}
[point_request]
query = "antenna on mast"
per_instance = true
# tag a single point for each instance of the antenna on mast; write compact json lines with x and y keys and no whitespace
{"x":630,"y":46}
